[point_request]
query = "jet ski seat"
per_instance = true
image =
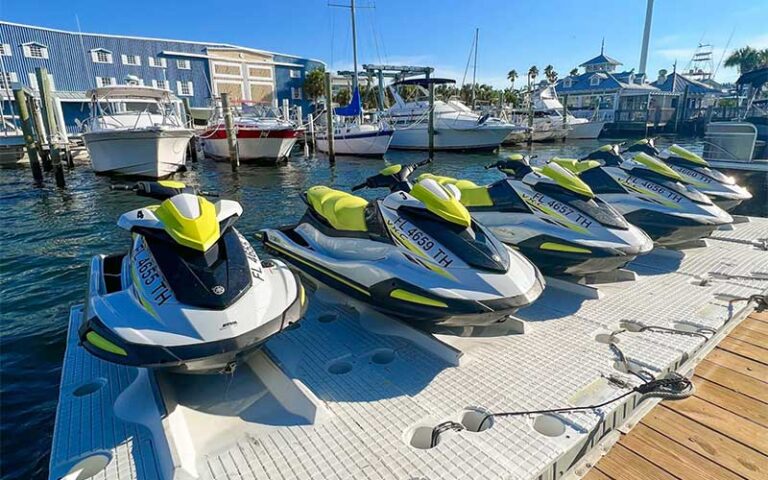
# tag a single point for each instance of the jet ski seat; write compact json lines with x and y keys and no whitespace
{"x":576,"y":166}
{"x":472,"y":194}
{"x":342,"y":210}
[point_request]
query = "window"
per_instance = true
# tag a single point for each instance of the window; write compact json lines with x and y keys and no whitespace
{"x":162,"y":84}
{"x":105,"y":81}
{"x":7,"y":80}
{"x":594,"y":81}
{"x":100,"y":55}
{"x":185,"y":89}
{"x":296,"y":93}
{"x":568,"y":82}
{"x":295,"y":73}
{"x":157,"y":62}
{"x":131,"y":60}
{"x":35,"y":50}
{"x":183,"y":64}
{"x":5,"y":50}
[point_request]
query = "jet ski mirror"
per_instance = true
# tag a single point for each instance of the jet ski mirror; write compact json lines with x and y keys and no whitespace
{"x":394,"y":177}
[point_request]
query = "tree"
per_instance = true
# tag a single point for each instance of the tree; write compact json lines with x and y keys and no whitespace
{"x":574,"y":72}
{"x":314,"y":84}
{"x":745,"y":59}
{"x":342,"y":97}
{"x":533,"y":72}
{"x":512,"y":76}
{"x":550,"y":73}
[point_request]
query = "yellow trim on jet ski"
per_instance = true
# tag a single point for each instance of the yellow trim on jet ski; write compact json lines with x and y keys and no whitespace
{"x":171,"y":184}
{"x":391,"y":170}
{"x":414,"y":249}
{"x":681,"y":152}
{"x":449,"y":209}
{"x":302,"y":295}
{"x":559,"y":247}
{"x":606,"y":148}
{"x":407,"y":296}
{"x":576,"y":166}
{"x":102,"y":343}
{"x":656,"y":166}
{"x":566,"y":179}
{"x":317,"y":267}
{"x":472,"y":194}
{"x":343,"y":210}
{"x":516,"y":157}
{"x":197,"y":233}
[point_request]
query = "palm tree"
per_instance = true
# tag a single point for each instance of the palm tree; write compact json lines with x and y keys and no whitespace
{"x":574,"y":72}
{"x":763,"y":57}
{"x":533,"y":72}
{"x":746,"y":59}
{"x":550,"y":73}
{"x":512,"y":76}
{"x":314,"y":84}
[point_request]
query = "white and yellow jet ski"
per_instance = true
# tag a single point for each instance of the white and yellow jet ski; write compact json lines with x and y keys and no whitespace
{"x":415,"y":254}
{"x":696,"y":171}
{"x":552,"y":217}
{"x":191,"y":295}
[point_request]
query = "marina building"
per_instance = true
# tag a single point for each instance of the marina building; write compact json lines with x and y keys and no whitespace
{"x":197,"y":71}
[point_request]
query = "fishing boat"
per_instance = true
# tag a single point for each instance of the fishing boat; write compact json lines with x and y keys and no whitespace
{"x":262,"y":135}
{"x":135,"y":130}
{"x":353,"y":135}
{"x":546,"y":103}
{"x":457,"y":127}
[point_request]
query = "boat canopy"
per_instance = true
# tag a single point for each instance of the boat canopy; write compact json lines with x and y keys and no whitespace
{"x":424,"y":82}
{"x":755,"y":77}
{"x":354,"y":108}
{"x":129,"y":91}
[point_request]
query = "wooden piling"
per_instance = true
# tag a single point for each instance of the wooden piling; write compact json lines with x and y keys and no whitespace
{"x":27,"y":131}
{"x":530,"y":111}
{"x":431,"y":131}
{"x":286,"y":110}
{"x":49,"y":117}
{"x":41,"y":138}
{"x":565,"y":114}
{"x":329,"y":117}
{"x":229,"y":125}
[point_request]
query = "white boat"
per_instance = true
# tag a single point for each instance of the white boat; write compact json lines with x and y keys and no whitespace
{"x":11,"y":144}
{"x":262,"y":135}
{"x":546,"y":103}
{"x":359,"y":139}
{"x":457,"y":127}
{"x":135,"y":130}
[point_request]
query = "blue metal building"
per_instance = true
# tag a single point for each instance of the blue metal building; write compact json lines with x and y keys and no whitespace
{"x":195,"y":70}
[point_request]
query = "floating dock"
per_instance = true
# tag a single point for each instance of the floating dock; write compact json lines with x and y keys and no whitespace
{"x":350,"y":393}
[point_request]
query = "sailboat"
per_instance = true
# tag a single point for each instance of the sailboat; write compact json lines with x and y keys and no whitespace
{"x":352,"y":135}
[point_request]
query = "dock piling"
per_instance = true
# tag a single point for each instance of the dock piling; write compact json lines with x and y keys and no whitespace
{"x":431,"y":131}
{"x":565,"y":113}
{"x":28,"y":132}
{"x":40,"y":136}
{"x":329,"y":117}
{"x":229,"y":125}
{"x":286,"y":110}
{"x":49,"y":118}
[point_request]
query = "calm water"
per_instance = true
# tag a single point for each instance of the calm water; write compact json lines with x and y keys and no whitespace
{"x":48,"y":237}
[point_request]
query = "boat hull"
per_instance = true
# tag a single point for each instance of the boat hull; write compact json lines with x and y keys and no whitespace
{"x":481,"y":138}
{"x":368,"y":144}
{"x":587,"y":130}
{"x":154,"y":153}
{"x":253,"y":145}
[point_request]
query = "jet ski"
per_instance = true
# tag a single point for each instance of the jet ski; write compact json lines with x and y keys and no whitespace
{"x":415,"y":254}
{"x":191,"y":295}
{"x":552,"y":217}
{"x":696,"y":171}
{"x":649,"y":194}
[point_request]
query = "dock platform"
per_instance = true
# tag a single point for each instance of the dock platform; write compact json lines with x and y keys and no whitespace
{"x":351,"y":394}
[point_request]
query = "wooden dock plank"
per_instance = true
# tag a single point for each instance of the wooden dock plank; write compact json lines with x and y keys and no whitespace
{"x":749,"y":336}
{"x":734,"y":402}
{"x":721,"y":420}
{"x":762,"y":316}
{"x":731,"y":379}
{"x":755,"y":324}
{"x":595,"y":474}
{"x":745,"y":366}
{"x":624,"y":464}
{"x":716,"y":447}
{"x":745,"y":349}
{"x":673,"y":457}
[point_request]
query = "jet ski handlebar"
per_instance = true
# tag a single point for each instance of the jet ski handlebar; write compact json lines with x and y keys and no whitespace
{"x":161,"y":191}
{"x":394,"y":177}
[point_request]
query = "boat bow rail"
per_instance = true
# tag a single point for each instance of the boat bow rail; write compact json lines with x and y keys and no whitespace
{"x":349,"y":393}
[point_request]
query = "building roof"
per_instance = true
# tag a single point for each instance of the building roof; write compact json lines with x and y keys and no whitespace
{"x":610,"y":81}
{"x":676,"y":83}
{"x":601,"y":59}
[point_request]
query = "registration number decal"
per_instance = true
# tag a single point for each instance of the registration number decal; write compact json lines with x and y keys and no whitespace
{"x":408,"y":233}
{"x":146,"y":271}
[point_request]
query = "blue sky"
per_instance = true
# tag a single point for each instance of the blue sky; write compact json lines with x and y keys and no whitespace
{"x":513,"y":34}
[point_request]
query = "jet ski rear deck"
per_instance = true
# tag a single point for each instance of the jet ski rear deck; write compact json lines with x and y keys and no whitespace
{"x":350,"y":393}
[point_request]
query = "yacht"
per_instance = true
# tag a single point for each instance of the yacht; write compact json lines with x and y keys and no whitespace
{"x":11,"y":143}
{"x":457,"y":127}
{"x":546,"y":103}
{"x":135,"y":130}
{"x":262,"y":134}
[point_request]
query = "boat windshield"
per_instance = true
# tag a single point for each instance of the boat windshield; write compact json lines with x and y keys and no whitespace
{"x":259,"y":111}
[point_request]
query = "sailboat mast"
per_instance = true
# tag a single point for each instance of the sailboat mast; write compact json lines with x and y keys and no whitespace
{"x":354,"y":46}
{"x":474,"y":69}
